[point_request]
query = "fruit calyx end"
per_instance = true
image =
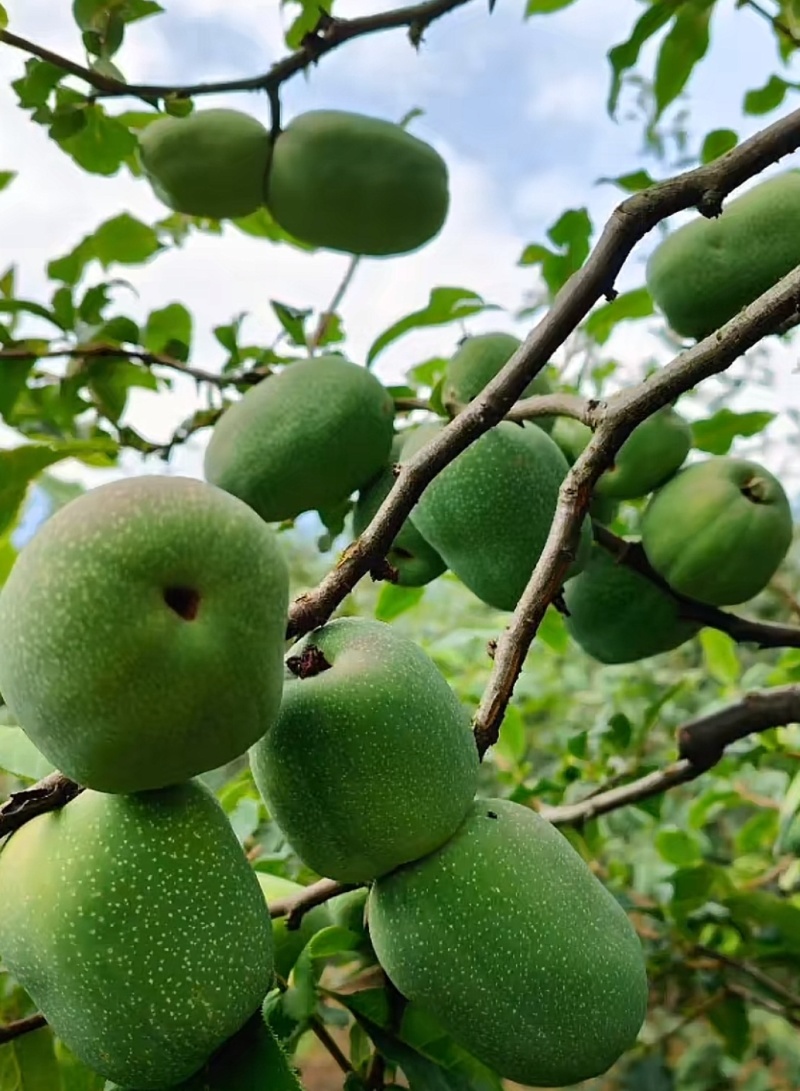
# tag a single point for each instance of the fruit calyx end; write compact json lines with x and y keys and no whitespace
{"x":308,"y":663}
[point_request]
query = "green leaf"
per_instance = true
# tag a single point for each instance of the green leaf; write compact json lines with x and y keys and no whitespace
{"x":571,"y":233}
{"x":169,"y":331}
{"x":301,"y":999}
{"x":685,"y":44}
{"x":29,"y":1063}
{"x":758,"y":833}
{"x":716,"y":434}
{"x":444,"y":305}
{"x":111,"y":381}
{"x":513,"y":742}
{"x":293,"y":320}
{"x":27,"y":306}
{"x":125,"y":240}
{"x":769,"y":911}
{"x":306,"y":22}
{"x":720,"y":656}
{"x":74,"y":1075}
{"x":678,"y":847}
{"x":634,"y":304}
{"x":102,"y":145}
{"x":20,"y":758}
{"x":13,"y":377}
{"x":394,"y":600}
{"x":624,"y":56}
{"x":3,"y":18}
{"x":790,"y":807}
{"x":69,"y":268}
{"x":422,"y":1074}
{"x":35,"y":87}
{"x":544,"y":7}
{"x":6,"y":178}
{"x":762,"y":100}
{"x":730,"y":1019}
{"x":717,"y":143}
{"x":633,"y":182}
{"x":260,"y":225}
{"x":553,"y":631}
{"x":650,"y":1073}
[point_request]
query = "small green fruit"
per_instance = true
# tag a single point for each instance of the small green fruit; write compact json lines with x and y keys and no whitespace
{"x":478,"y":360}
{"x":619,"y":616}
{"x":488,"y":513}
{"x":508,"y":939}
{"x":719,"y":530}
{"x":349,"y":910}
{"x":371,"y":762}
{"x":288,"y":944}
{"x":138,"y":927}
{"x":357,"y":184}
{"x":415,"y":562}
{"x":705,"y":272}
{"x":209,"y":163}
{"x":303,"y":440}
{"x":142,"y":633}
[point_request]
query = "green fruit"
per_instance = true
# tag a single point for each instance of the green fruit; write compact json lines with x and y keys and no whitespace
{"x":252,"y":1060}
{"x":705,"y":272}
{"x":603,"y":510}
{"x":371,"y":762}
{"x":619,"y":616}
{"x":477,"y":361}
{"x":488,"y":513}
{"x":651,"y":454}
{"x":142,"y":633}
{"x":302,"y":440}
{"x":415,"y":561}
{"x":210,"y":163}
{"x":357,"y":184}
{"x":138,"y":927}
{"x":288,"y":944}
{"x":509,"y":940}
{"x":719,"y":530}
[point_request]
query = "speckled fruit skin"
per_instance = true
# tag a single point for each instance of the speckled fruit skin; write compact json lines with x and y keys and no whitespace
{"x":477,"y":361}
{"x":118,"y":688}
{"x":719,"y":530}
{"x":705,"y":272}
{"x":619,"y":616}
{"x":210,"y":163}
{"x":138,"y":927}
{"x":515,"y":947}
{"x":371,"y":762}
{"x":252,"y":1060}
{"x":488,"y":513}
{"x":302,"y":440}
{"x":356,"y":184}
{"x":289,"y":944}
{"x":415,"y":562}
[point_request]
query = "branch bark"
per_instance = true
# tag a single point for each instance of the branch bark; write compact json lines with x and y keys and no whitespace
{"x":294,"y":909}
{"x":764,"y":634}
{"x":701,"y":744}
{"x":22,"y":1026}
{"x":705,"y":188}
{"x":49,"y":794}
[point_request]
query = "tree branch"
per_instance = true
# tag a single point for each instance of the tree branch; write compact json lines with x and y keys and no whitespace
{"x":764,"y":634}
{"x":705,"y":188}
{"x":701,"y":744}
{"x":49,"y":794}
{"x":329,"y":35}
{"x":22,"y":1026}
{"x":326,"y":316}
{"x":791,"y":999}
{"x":295,"y":908}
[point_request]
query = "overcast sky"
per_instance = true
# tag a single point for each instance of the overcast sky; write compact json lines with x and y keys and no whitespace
{"x":516,"y":108}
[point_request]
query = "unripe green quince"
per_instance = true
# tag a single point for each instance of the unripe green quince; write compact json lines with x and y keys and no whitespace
{"x":477,"y":361}
{"x":138,"y":927}
{"x":142,"y":633}
{"x":302,"y":440}
{"x":513,"y":945}
{"x":371,"y":762}
{"x":719,"y":530}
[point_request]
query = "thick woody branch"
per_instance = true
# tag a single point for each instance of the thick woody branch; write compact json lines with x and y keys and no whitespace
{"x":49,"y":794}
{"x":704,"y":188}
{"x":701,"y":744}
{"x":623,"y":413}
{"x":329,"y":35}
{"x":294,"y":909}
{"x":764,"y":634}
{"x":22,"y":1026}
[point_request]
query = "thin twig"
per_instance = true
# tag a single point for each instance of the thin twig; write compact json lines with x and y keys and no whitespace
{"x":765,"y":1003}
{"x":701,"y":744}
{"x":774,"y":20}
{"x":330,"y":34}
{"x":295,"y":908}
{"x":321,"y":1032}
{"x":335,"y":303}
{"x":791,"y":999}
{"x":22,"y":1026}
{"x":764,"y":634}
{"x":54,"y":791}
{"x":704,"y":188}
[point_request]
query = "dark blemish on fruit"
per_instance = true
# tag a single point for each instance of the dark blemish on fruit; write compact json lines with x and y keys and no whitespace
{"x":755,"y":490}
{"x":184,"y":601}
{"x":308,"y":663}
{"x":491,"y":814}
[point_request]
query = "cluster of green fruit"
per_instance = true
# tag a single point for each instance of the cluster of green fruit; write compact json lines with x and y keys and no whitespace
{"x":141,"y":643}
{"x":330,"y":179}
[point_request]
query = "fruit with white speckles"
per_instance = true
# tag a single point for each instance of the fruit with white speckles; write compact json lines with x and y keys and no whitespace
{"x":138,"y":927}
{"x":252,"y":1060}
{"x":288,"y":944}
{"x":510,"y":941}
{"x":477,"y":361}
{"x":142,"y":633}
{"x":211,"y":163}
{"x":488,"y":513}
{"x":719,"y":530}
{"x":304,"y":439}
{"x":414,"y":560}
{"x":371,"y":762}
{"x":620,"y":616}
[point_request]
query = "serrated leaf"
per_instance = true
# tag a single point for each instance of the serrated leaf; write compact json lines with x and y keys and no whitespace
{"x":20,"y":758}
{"x":293,"y":320}
{"x":717,"y":143}
{"x":124,"y":240}
{"x":394,"y":600}
{"x":685,"y":44}
{"x":169,"y":330}
{"x":716,"y":434}
{"x":719,"y":656}
{"x":35,"y":87}
{"x":628,"y":305}
{"x":624,"y":56}
{"x":102,"y":145}
{"x":444,"y":305}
